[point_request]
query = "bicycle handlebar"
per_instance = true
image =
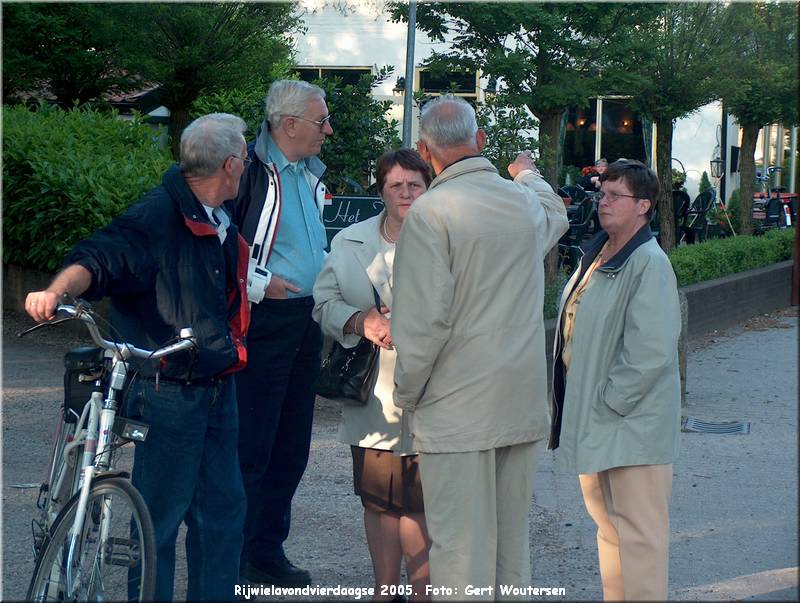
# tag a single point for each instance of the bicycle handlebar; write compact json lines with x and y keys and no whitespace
{"x":126,"y":350}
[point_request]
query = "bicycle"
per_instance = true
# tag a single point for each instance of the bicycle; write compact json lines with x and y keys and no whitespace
{"x":94,"y":539}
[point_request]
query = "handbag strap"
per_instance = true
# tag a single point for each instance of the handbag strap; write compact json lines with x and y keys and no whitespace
{"x":377,"y":298}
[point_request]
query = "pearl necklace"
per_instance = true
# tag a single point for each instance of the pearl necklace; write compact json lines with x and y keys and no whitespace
{"x":386,"y":233}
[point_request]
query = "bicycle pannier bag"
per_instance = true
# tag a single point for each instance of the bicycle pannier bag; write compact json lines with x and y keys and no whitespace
{"x":83,"y":367}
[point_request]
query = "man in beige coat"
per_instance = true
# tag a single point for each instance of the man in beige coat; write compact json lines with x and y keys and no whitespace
{"x":471,"y":368}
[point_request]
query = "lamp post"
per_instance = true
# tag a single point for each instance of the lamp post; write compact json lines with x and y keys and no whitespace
{"x":409,"y":79}
{"x":717,"y":172}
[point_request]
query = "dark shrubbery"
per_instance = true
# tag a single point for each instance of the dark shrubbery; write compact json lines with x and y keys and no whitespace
{"x":66,"y":174}
{"x":720,"y":257}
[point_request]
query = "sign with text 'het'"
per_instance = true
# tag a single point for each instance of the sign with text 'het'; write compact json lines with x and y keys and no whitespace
{"x":346,"y":210}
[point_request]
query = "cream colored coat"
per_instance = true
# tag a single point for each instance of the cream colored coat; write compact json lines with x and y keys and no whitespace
{"x":354,"y":265}
{"x":467,"y":315}
{"x":622,"y":403}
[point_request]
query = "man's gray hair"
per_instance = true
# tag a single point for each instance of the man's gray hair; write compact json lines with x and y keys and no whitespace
{"x":447,"y":121}
{"x":290,"y":97}
{"x":209,"y":140}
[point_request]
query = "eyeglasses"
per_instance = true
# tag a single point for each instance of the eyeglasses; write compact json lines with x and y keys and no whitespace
{"x":613,"y":197}
{"x":245,"y":160}
{"x":320,"y":122}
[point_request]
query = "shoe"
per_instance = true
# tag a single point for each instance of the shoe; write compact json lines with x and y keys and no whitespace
{"x":278,"y":572}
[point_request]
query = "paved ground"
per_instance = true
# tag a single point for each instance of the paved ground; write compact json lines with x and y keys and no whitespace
{"x":735,"y":497}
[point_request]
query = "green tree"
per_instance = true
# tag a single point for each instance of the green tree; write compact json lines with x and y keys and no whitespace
{"x":705,"y":183}
{"x":197,"y":49}
{"x":673,"y":67}
{"x":762,"y":86}
{"x":246,"y":101}
{"x":361,"y":131}
{"x":507,"y":132}
{"x":546,"y":57}
{"x":678,"y":180}
{"x":65,"y":49}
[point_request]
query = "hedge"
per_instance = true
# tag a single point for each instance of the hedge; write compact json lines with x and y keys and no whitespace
{"x":705,"y":261}
{"x":66,"y":174}
{"x":716,"y":258}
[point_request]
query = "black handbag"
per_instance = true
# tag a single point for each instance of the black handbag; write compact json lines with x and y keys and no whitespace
{"x":349,"y":374}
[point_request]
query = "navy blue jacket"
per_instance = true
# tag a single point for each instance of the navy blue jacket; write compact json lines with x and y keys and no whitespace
{"x":164,"y":269}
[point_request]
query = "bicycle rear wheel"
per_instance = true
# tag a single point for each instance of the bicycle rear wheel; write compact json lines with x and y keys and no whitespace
{"x":114,"y":554}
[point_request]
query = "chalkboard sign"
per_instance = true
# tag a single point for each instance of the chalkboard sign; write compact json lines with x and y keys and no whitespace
{"x":346,"y":210}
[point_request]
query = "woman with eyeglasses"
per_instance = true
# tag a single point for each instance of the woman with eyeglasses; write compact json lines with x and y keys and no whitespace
{"x":385,"y":468}
{"x":616,"y":386}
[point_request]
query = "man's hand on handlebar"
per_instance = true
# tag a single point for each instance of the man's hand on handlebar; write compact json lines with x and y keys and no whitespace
{"x":41,"y":305}
{"x":73,"y":280}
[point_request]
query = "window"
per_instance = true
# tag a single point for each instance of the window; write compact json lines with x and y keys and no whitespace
{"x":457,"y":83}
{"x":580,"y":136}
{"x":452,"y":82}
{"x":621,"y":133}
{"x":348,"y":75}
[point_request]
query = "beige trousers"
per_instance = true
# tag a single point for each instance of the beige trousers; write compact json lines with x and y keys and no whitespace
{"x":630,"y":507}
{"x":476,"y":508}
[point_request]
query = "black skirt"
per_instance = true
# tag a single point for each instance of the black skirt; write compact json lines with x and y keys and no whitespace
{"x":386,"y":481}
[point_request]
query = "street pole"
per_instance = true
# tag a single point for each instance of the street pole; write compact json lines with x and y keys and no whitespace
{"x":409,"y":91}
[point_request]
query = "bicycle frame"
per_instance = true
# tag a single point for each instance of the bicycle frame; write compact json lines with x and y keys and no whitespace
{"x":95,"y":431}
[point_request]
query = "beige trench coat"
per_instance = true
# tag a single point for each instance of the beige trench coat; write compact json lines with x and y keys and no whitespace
{"x":344,"y":286}
{"x":467,"y":314}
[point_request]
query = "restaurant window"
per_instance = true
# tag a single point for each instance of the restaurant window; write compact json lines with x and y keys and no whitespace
{"x":580,"y":136}
{"x":621,"y":134}
{"x":348,"y":75}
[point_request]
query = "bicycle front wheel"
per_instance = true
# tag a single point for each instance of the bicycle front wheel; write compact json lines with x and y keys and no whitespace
{"x":112,"y":557}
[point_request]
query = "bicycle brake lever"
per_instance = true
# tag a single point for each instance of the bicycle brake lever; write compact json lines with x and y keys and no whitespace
{"x":49,"y":323}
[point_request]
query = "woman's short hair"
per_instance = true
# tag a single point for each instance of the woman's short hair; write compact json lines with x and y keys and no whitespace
{"x":447,"y":121}
{"x":405,"y":158}
{"x":208,"y":141}
{"x":290,"y":97}
{"x":642,"y":181}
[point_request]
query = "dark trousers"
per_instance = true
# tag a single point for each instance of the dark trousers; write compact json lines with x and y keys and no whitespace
{"x":187,"y":470}
{"x":276,"y":407}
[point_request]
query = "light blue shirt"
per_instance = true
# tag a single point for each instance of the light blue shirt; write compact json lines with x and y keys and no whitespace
{"x":219,"y":219}
{"x":298,"y":251}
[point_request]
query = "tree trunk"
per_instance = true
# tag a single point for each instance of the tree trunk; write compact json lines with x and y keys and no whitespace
{"x":550,"y":146}
{"x":666,"y":213}
{"x":178,"y":120}
{"x":550,"y":153}
{"x":747,"y":173}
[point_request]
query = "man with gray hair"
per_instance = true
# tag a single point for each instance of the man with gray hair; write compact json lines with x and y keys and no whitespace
{"x":279,"y":211}
{"x":173,"y":260}
{"x":471,"y":365}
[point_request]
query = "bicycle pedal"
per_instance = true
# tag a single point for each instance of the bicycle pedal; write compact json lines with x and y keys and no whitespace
{"x":130,"y":430}
{"x":121,"y":551}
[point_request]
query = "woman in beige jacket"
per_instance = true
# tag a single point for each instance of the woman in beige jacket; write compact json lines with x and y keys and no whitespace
{"x":616,"y":388}
{"x":385,"y":470}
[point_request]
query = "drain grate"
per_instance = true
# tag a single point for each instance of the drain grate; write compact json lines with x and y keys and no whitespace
{"x":694,"y":425}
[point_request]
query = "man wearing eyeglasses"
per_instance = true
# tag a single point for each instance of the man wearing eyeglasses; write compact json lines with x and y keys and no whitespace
{"x":279,"y":211}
